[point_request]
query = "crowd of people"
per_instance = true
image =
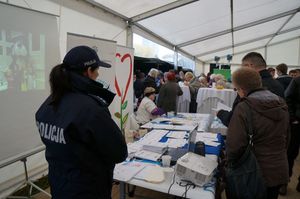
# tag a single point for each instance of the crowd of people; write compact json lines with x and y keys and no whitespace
{"x":83,"y":143}
{"x":274,"y":100}
{"x":169,"y":83}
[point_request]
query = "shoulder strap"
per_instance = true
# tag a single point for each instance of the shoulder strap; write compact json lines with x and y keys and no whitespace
{"x":249,"y":121}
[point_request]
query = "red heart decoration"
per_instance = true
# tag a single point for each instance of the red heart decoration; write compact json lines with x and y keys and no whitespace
{"x":124,"y":57}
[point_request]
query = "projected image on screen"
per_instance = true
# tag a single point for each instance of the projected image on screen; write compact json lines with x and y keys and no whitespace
{"x":22,"y":61}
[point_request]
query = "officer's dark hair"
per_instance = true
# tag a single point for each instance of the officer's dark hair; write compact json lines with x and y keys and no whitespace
{"x":60,"y":81}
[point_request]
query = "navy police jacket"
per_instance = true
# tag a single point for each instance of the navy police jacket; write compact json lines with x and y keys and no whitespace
{"x":83,"y":143}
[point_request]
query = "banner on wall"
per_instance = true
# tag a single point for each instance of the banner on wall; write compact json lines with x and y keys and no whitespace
{"x":123,"y":83}
{"x":106,"y":51}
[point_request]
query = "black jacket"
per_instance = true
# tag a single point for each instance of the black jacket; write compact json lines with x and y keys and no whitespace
{"x":150,"y":82}
{"x":138,"y":88}
{"x":271,"y":84}
{"x":83,"y":143}
{"x":268,"y":83}
{"x":284,"y":80}
{"x":292,"y":95}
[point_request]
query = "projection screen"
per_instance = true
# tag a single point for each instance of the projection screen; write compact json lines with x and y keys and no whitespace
{"x":29,"y":48}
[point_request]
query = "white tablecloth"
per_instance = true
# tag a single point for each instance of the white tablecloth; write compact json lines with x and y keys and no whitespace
{"x":184,"y":100}
{"x":176,"y":189}
{"x":207,"y":98}
{"x":189,"y":122}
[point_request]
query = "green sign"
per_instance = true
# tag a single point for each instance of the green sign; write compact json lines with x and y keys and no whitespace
{"x":225,"y":72}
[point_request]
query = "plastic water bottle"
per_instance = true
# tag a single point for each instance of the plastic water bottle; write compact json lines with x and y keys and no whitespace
{"x":192,"y":140}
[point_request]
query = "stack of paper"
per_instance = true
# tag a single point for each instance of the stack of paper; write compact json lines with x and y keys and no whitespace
{"x":147,"y":155}
{"x":204,"y":123}
{"x":208,"y":138}
{"x":177,"y":134}
{"x":176,"y":143}
{"x":157,"y":147}
{"x":134,"y":147}
{"x":221,"y":106}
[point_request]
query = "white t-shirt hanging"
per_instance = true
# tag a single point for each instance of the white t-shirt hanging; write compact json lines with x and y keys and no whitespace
{"x":143,"y":114}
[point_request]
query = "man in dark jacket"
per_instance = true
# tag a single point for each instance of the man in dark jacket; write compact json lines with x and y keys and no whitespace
{"x":256,"y":61}
{"x":283,"y":78}
{"x":83,"y":143}
{"x":292,"y":95}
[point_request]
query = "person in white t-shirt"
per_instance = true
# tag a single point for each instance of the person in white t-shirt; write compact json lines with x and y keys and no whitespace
{"x":147,"y":109}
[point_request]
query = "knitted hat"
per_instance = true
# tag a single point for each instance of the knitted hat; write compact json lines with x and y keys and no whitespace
{"x":149,"y":90}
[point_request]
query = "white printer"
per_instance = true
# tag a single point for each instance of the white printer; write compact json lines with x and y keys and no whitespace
{"x":195,"y":168}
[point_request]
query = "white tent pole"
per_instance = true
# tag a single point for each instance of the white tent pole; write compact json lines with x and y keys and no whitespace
{"x":232,"y":26}
{"x":299,"y":52}
{"x":266,"y":54}
{"x":129,"y":36}
{"x":175,"y":58}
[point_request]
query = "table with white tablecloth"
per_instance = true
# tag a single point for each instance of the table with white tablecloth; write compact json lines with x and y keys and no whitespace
{"x":184,"y":100}
{"x":207,"y":98}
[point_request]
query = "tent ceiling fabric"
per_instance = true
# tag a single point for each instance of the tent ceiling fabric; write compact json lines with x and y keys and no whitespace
{"x":203,"y":28}
{"x":133,"y":7}
{"x":295,"y":21}
{"x":245,"y":11}
{"x":210,"y":44}
{"x":191,"y":21}
{"x":251,"y":45}
{"x":290,"y":35}
{"x":259,"y":30}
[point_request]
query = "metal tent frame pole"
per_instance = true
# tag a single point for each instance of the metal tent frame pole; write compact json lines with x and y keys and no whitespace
{"x":28,"y":182}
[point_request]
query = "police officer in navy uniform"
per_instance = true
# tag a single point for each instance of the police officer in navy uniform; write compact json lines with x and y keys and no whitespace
{"x":83,"y":143}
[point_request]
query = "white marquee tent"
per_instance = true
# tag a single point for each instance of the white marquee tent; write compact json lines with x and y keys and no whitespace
{"x":198,"y":29}
{"x":204,"y":29}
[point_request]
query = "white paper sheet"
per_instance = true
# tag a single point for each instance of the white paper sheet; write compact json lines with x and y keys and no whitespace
{"x":134,"y":147}
{"x":208,"y":138}
{"x":176,"y":143}
{"x":147,"y":155}
{"x":125,"y":171}
{"x":221,"y":106}
{"x":177,"y":134}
